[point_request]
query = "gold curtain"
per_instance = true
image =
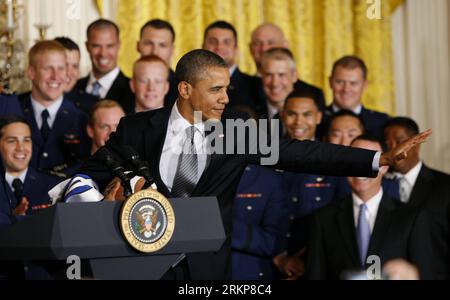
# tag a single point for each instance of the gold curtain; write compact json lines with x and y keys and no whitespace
{"x":319,"y":32}
{"x":99,"y":5}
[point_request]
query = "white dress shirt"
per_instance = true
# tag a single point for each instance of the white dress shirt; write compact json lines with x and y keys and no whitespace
{"x":357,"y":109}
{"x":411,"y":176}
{"x":9,"y":178}
{"x":175,"y":137}
{"x":52,"y":111}
{"x":372,"y":208}
{"x":106,"y":82}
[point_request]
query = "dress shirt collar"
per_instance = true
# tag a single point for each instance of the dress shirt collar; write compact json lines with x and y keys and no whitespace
{"x":411,"y":176}
{"x":272,"y":111}
{"x":106,"y":81}
{"x":52,"y":111}
{"x":357,"y":109}
{"x":372,"y":204}
{"x":232,"y":70}
{"x":9,"y":178}
{"x":178,"y":124}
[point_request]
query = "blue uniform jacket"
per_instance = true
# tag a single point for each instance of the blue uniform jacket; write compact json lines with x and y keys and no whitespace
{"x":258,"y":214}
{"x":67,"y":141}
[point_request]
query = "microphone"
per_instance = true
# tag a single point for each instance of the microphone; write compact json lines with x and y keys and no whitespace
{"x":105,"y":156}
{"x":139,"y":167}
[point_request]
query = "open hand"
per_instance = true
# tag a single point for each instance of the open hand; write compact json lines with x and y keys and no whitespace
{"x":400,"y":152}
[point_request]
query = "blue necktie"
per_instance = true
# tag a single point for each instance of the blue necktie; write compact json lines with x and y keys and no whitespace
{"x":363,"y":234}
{"x":96,"y":86}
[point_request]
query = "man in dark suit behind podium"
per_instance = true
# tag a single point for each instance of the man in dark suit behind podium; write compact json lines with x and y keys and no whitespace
{"x":106,"y":81}
{"x":203,"y":80}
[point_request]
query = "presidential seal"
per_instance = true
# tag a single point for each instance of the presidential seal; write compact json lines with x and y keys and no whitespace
{"x":147,"y":221}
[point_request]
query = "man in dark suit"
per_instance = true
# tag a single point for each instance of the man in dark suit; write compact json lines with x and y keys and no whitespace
{"x":106,"y":80}
{"x":422,"y":187}
{"x":348,"y":81}
{"x":279,"y":79}
{"x":158,"y":38}
{"x":80,"y":98}
{"x":220,"y":37}
{"x":385,"y":230}
{"x":157,"y":135}
{"x":57,"y":126}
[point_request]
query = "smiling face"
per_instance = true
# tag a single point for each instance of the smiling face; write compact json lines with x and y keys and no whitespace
{"x":156,"y":41}
{"x":365,"y":187}
{"x":344,"y":129}
{"x":48,"y":75}
{"x":223,"y":43}
{"x":348,"y":86}
{"x":300,"y":117}
{"x":278,"y":78}
{"x":208,"y":94}
{"x":103,"y":46}
{"x":16,"y":147}
{"x":265,"y":38}
{"x":150,"y":85}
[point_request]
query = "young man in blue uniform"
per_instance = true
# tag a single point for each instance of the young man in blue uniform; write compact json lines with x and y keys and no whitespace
{"x":58,"y":127}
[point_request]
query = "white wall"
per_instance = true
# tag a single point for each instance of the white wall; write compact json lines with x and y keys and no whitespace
{"x":421,"y":39}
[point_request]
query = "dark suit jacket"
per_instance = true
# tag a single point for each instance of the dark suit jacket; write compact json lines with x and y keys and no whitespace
{"x":259,"y":213}
{"x":373,"y":121}
{"x":9,"y":105}
{"x":82,"y":100}
{"x":261,"y":107}
{"x":146,"y":133}
{"x":399,"y":232}
{"x":172,"y":95}
{"x":35,"y":188}
{"x":61,"y":146}
{"x":431,"y":192}
{"x":243,"y":90}
{"x":120,"y":91}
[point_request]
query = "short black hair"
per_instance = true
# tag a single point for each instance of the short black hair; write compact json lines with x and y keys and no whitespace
{"x":222,"y":25}
{"x":67,"y":43}
{"x":346,"y":113}
{"x":10,"y":119}
{"x":193,"y":65}
{"x":407,"y":123}
{"x":371,"y":138}
{"x":303,"y":93}
{"x":159,"y":24}
{"x":101,"y":24}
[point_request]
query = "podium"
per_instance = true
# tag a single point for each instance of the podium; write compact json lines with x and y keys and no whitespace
{"x":91,"y":231}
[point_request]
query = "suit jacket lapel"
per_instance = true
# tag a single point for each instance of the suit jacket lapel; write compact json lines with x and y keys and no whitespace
{"x":346,"y":224}
{"x":25,"y":103}
{"x":382,"y":223}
